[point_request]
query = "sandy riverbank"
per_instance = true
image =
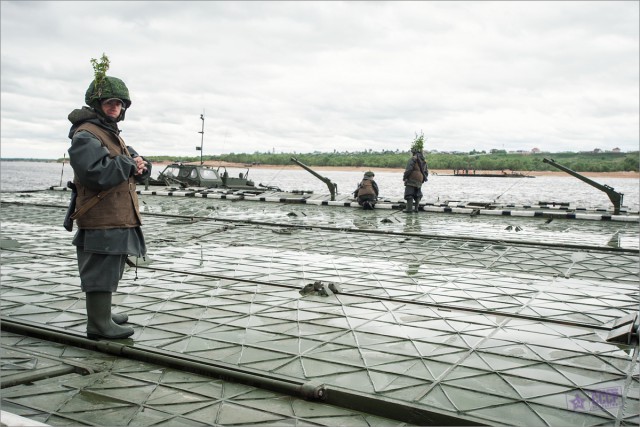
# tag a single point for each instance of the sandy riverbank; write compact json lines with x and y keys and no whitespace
{"x":635,"y":175}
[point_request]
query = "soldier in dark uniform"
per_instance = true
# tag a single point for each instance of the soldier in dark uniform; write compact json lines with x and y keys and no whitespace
{"x":105,"y":174}
{"x":367,"y":191}
{"x":414,"y":175}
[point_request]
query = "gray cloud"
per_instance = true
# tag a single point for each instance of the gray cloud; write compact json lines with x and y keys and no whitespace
{"x":324,"y":76}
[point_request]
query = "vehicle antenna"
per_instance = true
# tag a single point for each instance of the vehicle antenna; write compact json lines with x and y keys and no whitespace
{"x":202,"y":137}
{"x":64,"y":157}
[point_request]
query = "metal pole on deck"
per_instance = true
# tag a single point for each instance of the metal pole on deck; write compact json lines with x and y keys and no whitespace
{"x":64,"y":157}
{"x":201,"y":137}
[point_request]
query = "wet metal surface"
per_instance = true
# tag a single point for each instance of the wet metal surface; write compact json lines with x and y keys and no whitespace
{"x":616,"y":234}
{"x":447,"y":313}
{"x":123,"y":392}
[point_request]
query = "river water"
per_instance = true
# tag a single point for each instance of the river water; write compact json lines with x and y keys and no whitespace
{"x":17,"y":176}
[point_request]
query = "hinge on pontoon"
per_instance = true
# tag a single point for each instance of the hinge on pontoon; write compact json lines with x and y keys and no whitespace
{"x":625,"y":329}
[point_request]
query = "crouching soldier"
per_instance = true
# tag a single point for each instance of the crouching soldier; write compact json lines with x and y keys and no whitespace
{"x":367,"y":191}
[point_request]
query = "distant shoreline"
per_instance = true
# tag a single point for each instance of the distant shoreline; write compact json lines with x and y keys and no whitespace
{"x":216,"y":163}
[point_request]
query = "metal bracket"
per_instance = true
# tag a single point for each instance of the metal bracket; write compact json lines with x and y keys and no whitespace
{"x":625,"y":329}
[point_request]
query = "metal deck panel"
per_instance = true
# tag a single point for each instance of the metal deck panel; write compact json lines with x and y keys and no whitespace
{"x":445,"y":316}
{"x":115,"y":391}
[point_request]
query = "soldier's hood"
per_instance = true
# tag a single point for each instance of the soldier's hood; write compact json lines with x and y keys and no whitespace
{"x":80,"y":115}
{"x":87,"y":114}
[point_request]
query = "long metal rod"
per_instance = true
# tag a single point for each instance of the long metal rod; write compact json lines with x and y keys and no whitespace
{"x":406,"y":301}
{"x":330,"y":184}
{"x":396,"y":233}
{"x":374,"y":297}
{"x":310,"y":390}
{"x":150,"y":355}
{"x":369,"y":231}
{"x":30,"y":377}
{"x":614,"y":196}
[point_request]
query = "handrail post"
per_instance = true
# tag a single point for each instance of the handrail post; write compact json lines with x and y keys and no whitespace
{"x":615,"y":196}
{"x":333,"y":188}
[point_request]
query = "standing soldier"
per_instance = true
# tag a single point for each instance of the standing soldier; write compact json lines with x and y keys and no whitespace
{"x":414,"y":175}
{"x":367,"y":191}
{"x":105,"y":174}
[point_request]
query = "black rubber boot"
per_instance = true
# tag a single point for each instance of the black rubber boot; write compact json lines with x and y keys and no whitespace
{"x":409,"y":208}
{"x":416,"y":207}
{"x":120,"y":318}
{"x":99,"y":321}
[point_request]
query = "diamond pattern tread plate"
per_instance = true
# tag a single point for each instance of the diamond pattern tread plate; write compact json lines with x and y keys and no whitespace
{"x":502,"y":332}
{"x":125,"y":392}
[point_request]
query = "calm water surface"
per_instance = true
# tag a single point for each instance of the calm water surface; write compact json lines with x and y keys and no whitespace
{"x":38,"y":175}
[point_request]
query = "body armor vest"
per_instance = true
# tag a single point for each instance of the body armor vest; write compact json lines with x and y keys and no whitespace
{"x":119,"y":208}
{"x":366,"y":188}
{"x":416,"y":174}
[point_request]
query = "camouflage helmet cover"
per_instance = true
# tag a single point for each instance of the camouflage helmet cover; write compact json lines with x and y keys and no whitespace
{"x":369,"y":174}
{"x":418,"y":144}
{"x":110,"y":87}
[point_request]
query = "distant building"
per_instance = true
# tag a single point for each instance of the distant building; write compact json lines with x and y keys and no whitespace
{"x":535,"y":150}
{"x":597,"y":150}
{"x":615,"y":150}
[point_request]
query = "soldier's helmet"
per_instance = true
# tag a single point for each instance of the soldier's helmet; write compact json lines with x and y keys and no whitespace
{"x":417,"y":146}
{"x":110,"y":87}
{"x":369,"y":174}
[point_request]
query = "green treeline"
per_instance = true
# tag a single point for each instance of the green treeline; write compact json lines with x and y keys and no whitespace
{"x":497,"y":160}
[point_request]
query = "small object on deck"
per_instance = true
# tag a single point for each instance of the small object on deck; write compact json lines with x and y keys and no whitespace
{"x":320,"y":288}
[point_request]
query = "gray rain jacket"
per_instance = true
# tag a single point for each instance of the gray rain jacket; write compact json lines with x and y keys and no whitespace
{"x":96,"y":169}
{"x":416,"y":171}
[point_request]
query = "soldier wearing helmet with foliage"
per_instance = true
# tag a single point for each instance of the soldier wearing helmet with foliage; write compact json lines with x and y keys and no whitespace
{"x":415,"y":174}
{"x":106,"y":206}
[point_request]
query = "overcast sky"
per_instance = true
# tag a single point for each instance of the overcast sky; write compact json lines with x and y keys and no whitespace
{"x":324,"y":76}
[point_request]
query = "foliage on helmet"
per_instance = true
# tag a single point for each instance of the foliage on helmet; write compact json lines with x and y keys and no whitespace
{"x":100,"y":70}
{"x":369,"y":174}
{"x":418,"y":143}
{"x":103,"y":86}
